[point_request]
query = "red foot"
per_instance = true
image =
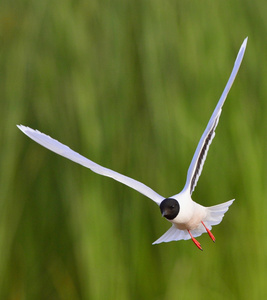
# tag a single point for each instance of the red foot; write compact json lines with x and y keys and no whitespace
{"x":195,"y":241}
{"x":209,"y":232}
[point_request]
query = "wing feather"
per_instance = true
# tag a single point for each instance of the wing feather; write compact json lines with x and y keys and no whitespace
{"x":63,"y":150}
{"x":200,"y":155}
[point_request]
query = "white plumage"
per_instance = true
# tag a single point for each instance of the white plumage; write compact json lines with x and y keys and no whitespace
{"x":189,"y":219}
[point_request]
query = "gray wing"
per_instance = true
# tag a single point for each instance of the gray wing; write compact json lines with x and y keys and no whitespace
{"x":65,"y":151}
{"x":200,"y":155}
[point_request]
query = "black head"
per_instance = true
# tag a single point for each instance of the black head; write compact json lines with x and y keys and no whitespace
{"x":169,"y":208}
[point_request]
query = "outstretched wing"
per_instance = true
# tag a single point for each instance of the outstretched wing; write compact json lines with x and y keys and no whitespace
{"x":199,"y":157}
{"x":65,"y":151}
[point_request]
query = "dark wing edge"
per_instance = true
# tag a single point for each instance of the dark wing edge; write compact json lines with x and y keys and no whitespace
{"x":200,"y":154}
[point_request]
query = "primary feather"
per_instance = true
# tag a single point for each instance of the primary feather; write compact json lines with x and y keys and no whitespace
{"x":187,"y":216}
{"x":63,"y":150}
{"x":200,"y":154}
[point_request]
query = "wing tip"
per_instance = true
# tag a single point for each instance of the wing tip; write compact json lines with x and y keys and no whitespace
{"x":31,"y":132}
{"x":24,"y":129}
{"x":244,"y":44}
{"x":21,"y":127}
{"x":242,"y":48}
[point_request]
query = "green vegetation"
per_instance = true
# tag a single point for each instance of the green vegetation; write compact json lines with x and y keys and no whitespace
{"x":130,"y":85}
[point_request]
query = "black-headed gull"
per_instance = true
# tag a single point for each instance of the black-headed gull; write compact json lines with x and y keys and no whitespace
{"x":189,"y":219}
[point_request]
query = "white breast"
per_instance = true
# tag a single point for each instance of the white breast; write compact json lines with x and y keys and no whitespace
{"x":190,"y":215}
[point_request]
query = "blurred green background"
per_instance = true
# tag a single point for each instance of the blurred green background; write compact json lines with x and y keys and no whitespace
{"x":130,"y":85}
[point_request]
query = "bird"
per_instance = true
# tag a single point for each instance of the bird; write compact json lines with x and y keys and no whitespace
{"x":189,"y":219}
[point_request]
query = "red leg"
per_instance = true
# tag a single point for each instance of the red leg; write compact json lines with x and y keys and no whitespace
{"x":195,"y":241}
{"x":208,"y":231}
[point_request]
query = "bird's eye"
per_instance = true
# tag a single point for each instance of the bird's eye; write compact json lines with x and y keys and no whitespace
{"x":172,"y":206}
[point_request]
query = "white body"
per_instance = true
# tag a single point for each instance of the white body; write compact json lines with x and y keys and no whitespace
{"x":191,"y":214}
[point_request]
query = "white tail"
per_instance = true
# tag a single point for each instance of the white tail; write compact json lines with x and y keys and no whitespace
{"x":214,"y":217}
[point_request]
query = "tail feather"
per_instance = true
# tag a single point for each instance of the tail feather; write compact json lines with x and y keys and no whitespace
{"x":214,"y":217}
{"x":216,"y":213}
{"x":173,"y":234}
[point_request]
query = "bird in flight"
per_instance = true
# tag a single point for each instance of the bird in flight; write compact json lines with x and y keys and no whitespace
{"x":189,"y":219}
